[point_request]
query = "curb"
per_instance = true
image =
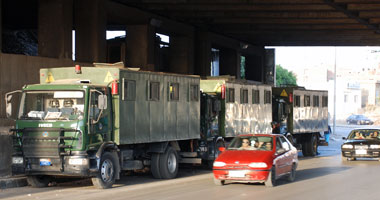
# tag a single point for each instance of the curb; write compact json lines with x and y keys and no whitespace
{"x":11,"y":182}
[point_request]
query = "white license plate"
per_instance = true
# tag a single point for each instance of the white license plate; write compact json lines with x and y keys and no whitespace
{"x":361,"y":151}
{"x":237,"y":174}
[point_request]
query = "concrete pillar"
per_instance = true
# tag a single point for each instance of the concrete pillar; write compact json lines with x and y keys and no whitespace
{"x":5,"y":155}
{"x":254,"y":68}
{"x":229,"y":62}
{"x":269,"y":67}
{"x":55,"y":23}
{"x":90,"y":30}
{"x":202,"y":53}
{"x":140,"y":46}
{"x":181,"y":55}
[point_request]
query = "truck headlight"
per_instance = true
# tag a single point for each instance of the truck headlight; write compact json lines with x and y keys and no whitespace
{"x":347,"y":146}
{"x":374,"y":146}
{"x":17,"y":160}
{"x":78,"y":161}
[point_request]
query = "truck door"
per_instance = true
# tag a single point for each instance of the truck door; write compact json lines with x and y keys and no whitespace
{"x":99,"y":115}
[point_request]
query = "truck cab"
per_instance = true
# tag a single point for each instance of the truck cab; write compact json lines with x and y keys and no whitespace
{"x":59,"y":128}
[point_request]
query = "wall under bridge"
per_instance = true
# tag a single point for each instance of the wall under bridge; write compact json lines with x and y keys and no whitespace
{"x":19,"y":70}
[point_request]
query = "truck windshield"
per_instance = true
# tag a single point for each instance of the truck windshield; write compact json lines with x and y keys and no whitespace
{"x":52,"y":105}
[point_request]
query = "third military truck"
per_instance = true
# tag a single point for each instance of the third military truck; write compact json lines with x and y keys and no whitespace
{"x":301,"y":115}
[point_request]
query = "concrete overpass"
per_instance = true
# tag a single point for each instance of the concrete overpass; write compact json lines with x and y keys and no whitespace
{"x":38,"y":33}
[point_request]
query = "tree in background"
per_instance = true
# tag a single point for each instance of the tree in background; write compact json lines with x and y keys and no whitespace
{"x":285,"y":77}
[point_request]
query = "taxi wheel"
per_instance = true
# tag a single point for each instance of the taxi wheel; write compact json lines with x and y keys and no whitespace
{"x":38,"y":181}
{"x":271,"y":180}
{"x":219,"y":182}
{"x":351,"y":159}
{"x":292,"y":175}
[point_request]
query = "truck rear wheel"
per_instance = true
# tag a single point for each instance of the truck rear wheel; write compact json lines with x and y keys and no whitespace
{"x":169,"y":163}
{"x":310,"y":145}
{"x":155,"y":165}
{"x":38,"y":181}
{"x":107,"y":172}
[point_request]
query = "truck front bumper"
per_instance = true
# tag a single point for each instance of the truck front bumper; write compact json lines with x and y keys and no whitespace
{"x":65,"y":166}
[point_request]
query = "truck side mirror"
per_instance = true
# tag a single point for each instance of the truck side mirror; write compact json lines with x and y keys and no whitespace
{"x":8,"y":104}
{"x":102,"y":102}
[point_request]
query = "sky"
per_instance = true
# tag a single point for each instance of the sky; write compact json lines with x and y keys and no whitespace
{"x":295,"y":58}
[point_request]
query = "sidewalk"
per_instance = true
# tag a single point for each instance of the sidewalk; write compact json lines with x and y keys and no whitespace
{"x":13,"y":181}
{"x":7,"y":180}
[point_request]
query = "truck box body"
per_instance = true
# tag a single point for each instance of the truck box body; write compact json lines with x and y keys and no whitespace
{"x":308,"y":112}
{"x":139,"y":118}
{"x":239,"y":114}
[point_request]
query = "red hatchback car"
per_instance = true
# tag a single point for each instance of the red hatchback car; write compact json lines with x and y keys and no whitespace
{"x":262,"y":158}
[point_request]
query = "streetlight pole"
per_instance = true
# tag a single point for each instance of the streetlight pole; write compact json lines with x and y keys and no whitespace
{"x":334,"y":122}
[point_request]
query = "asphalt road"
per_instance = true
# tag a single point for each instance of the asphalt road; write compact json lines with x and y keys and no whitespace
{"x":323,"y":177}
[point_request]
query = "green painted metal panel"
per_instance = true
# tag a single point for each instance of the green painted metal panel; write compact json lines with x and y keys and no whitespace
{"x":96,"y":75}
{"x":137,"y":120}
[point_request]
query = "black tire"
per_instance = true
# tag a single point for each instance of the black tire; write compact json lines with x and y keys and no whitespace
{"x":271,"y":180}
{"x":169,"y":163}
{"x":219,"y":182}
{"x":292,"y":175}
{"x":305,"y":148}
{"x":107,"y":172}
{"x":155,"y":165}
{"x":310,"y":146}
{"x":38,"y":181}
{"x":313,"y":145}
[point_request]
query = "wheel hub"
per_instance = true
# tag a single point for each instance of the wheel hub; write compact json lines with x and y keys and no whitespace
{"x":107,"y":171}
{"x":172,"y":163}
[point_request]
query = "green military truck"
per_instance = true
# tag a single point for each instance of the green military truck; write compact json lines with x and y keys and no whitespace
{"x":301,"y":115}
{"x":98,"y":121}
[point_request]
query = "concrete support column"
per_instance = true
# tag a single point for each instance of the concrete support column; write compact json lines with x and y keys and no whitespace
{"x":229,"y":62}
{"x":269,"y":72}
{"x":55,"y":23}
{"x":202,"y":54}
{"x":140,"y":46}
{"x":254,"y":68}
{"x":181,"y":55}
{"x":90,"y":30}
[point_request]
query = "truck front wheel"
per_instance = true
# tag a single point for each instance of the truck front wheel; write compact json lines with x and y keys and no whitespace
{"x":169,"y":163}
{"x":107,"y":172}
{"x":38,"y":181}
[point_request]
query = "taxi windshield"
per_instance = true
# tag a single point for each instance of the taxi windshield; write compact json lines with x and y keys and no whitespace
{"x":260,"y":143}
{"x":52,"y":105}
{"x":364,"y":134}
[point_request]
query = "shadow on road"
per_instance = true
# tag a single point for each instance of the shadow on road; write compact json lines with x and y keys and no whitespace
{"x":305,"y":174}
{"x":135,"y":178}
